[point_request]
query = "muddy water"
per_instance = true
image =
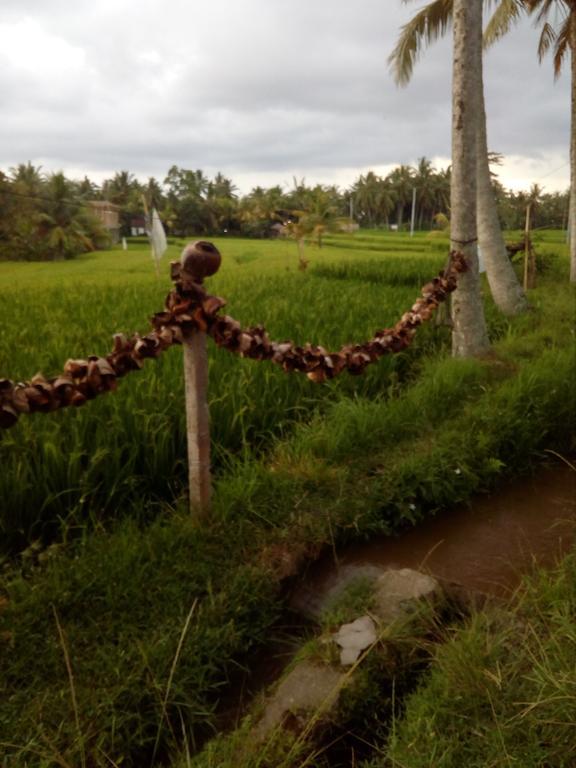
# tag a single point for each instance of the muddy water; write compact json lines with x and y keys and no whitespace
{"x":486,"y":545}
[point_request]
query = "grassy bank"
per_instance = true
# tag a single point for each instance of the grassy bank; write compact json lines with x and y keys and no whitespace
{"x":501,"y":689}
{"x":122,"y":643}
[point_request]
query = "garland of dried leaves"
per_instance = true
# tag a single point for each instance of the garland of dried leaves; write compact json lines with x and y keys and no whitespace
{"x":189,"y":308}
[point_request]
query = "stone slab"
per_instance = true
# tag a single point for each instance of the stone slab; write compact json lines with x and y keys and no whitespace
{"x":306,"y":690}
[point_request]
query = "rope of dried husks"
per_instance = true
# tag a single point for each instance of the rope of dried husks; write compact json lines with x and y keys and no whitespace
{"x":189,"y":308}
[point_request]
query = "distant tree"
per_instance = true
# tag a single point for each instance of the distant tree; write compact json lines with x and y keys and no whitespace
{"x":27,"y":179}
{"x":426,"y":189}
{"x":87,"y":189}
{"x":373,"y":200}
{"x":124,"y":190}
{"x":53,"y":224}
{"x":186,"y":193}
{"x":261,"y":209}
{"x":320,"y":217}
{"x":222,"y":202}
{"x":153,"y":194}
{"x":401,"y":181}
{"x":65,"y":228}
{"x":24,"y":190}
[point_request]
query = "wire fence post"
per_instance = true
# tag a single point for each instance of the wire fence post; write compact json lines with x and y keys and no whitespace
{"x":198,"y":260}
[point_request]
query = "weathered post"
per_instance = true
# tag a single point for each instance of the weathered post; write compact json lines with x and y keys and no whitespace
{"x":198,"y":260}
{"x":527,"y":280}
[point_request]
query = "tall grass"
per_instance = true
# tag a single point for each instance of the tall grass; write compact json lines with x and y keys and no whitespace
{"x":501,"y":690}
{"x":75,"y":466}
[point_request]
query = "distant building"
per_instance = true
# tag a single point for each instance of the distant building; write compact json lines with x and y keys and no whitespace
{"x":109,"y":215}
{"x":137,"y":225}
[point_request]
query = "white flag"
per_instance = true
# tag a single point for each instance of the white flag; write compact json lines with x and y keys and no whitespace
{"x":157,"y":237}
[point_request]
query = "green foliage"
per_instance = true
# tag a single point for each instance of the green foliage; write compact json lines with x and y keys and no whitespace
{"x":45,"y":219}
{"x":501,"y":689}
{"x":122,"y":602}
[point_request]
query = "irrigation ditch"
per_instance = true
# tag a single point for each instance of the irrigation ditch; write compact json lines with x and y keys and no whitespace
{"x":308,"y":695}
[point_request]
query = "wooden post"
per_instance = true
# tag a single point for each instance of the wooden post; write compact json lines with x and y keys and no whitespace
{"x":198,"y":260}
{"x":527,"y":247}
{"x":197,"y":422}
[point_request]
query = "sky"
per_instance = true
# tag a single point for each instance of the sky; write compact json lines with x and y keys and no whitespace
{"x":264,"y":91}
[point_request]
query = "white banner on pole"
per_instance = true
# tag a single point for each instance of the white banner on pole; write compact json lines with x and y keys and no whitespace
{"x":157,"y":236}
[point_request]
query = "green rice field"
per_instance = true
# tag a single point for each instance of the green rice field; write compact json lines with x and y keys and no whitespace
{"x":127,"y":450}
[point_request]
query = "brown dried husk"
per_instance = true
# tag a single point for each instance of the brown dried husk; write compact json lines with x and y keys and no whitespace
{"x":188,"y":308}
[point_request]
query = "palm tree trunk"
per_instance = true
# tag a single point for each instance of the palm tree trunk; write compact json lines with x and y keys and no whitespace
{"x":469,"y":335}
{"x":504,"y":285}
{"x":572,"y":206}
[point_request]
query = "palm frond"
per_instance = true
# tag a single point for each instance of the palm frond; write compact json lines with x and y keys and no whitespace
{"x":426,"y":27}
{"x":563,"y":42}
{"x":543,"y":7}
{"x":547,"y":37}
{"x":506,"y":14}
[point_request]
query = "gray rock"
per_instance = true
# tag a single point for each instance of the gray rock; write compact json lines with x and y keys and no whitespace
{"x":307,"y":690}
{"x":394,"y":590}
{"x":354,"y":638}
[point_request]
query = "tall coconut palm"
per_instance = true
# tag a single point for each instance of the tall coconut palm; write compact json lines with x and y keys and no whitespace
{"x":425,"y":190}
{"x":401,"y":181}
{"x":430,"y":23}
{"x":562,"y":40}
{"x":373,"y":199}
{"x":27,"y":179}
{"x":469,"y":336}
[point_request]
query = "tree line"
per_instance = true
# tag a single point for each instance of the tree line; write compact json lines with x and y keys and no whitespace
{"x":47,"y":216}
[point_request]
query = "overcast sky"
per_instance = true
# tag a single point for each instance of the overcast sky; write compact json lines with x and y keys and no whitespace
{"x":261,"y":90}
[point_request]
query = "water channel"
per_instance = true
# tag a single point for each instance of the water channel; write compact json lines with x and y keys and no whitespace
{"x":486,"y":545}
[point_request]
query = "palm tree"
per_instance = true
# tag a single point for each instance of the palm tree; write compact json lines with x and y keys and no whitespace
{"x":469,"y":335}
{"x":261,"y":209}
{"x":562,"y":40}
{"x":425,"y":190}
{"x":64,"y":227}
{"x":441,"y":183}
{"x":318,"y":219}
{"x":373,"y":199}
{"x":27,"y":179}
{"x":87,"y":189}
{"x":401,"y":180}
{"x":153,"y":193}
{"x":430,"y":23}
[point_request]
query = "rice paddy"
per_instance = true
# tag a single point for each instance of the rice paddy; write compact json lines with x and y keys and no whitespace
{"x":91,"y":464}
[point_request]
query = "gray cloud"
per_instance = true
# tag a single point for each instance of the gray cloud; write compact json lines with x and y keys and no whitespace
{"x":262,"y":86}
